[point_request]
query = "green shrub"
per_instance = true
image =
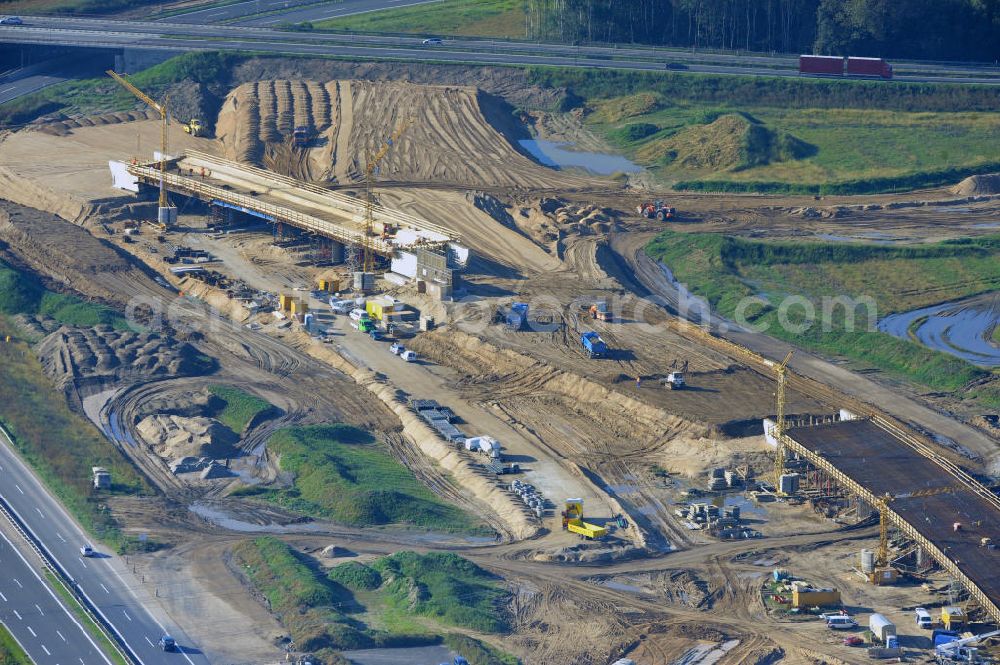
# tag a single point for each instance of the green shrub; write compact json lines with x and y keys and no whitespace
{"x":477,"y":652}
{"x":235,"y":408}
{"x":356,"y":576}
{"x":633,"y":132}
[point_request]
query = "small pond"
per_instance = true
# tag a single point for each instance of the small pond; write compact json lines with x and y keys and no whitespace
{"x":559,"y":155}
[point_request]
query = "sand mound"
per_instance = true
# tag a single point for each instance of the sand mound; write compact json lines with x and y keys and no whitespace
{"x":729,"y":143}
{"x":988,"y":183}
{"x":172,"y":437}
{"x":453,"y":137}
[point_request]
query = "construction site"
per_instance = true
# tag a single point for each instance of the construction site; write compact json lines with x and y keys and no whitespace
{"x":384,"y":255}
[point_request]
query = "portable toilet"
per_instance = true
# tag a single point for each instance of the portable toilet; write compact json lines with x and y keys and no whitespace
{"x":285,"y":302}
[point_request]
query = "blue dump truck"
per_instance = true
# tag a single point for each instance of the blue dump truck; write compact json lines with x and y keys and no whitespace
{"x":593,"y":344}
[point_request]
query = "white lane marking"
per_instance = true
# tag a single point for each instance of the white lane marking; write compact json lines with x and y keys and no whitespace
{"x":40,"y":513}
{"x":33,"y":633}
{"x":3,"y":596}
{"x":18,"y":615}
{"x":150,"y":641}
{"x":18,"y":582}
{"x":126,"y":615}
{"x":59,"y":536}
{"x":47,"y":652}
{"x":19,"y":488}
{"x":8,"y":90}
{"x":83,"y":563}
{"x":1,"y":467}
{"x":60,"y":635}
{"x":105,"y":589}
{"x":39,"y":607}
{"x":81,"y":661}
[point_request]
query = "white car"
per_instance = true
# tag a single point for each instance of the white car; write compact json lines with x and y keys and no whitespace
{"x":408,"y":356}
{"x":396,"y":348}
{"x":86,"y":550}
{"x":11,"y":20}
{"x":358,"y":314}
{"x":433,"y":41}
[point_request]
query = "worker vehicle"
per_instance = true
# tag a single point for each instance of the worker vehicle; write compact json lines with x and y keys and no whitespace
{"x":396,"y":348}
{"x":923,"y":618}
{"x":841,"y":623}
{"x":194,"y":127}
{"x":676,"y":66}
{"x":593,"y":344}
{"x":375,"y":334}
{"x":86,"y":550}
{"x":167,"y":643}
{"x":959,"y":651}
{"x":675,"y":380}
{"x":952,"y":617}
{"x":517,"y":316}
{"x":835,"y":65}
{"x":358,"y":314}
{"x":301,"y":136}
{"x":408,"y":356}
{"x":600,"y":312}
{"x":656,"y":210}
{"x":366,"y":326}
{"x":853,"y":641}
{"x":883,"y":630}
{"x":432,"y":41}
{"x":11,"y":20}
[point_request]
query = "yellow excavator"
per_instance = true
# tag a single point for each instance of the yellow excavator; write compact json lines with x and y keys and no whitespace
{"x":194,"y":127}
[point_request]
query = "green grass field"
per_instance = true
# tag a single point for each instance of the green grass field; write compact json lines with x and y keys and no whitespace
{"x":235,"y":408}
{"x":59,"y":444}
{"x":726,"y":270}
{"x":840,"y":145}
{"x":11,"y":652}
{"x":22,"y":293}
{"x":345,"y":475}
{"x":477,"y":18}
{"x":400,"y":600}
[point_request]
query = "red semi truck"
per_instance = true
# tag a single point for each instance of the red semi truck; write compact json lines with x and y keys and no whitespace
{"x":831,"y":65}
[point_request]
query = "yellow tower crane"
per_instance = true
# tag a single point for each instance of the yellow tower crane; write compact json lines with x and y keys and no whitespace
{"x":161,"y":108}
{"x":779,"y":425}
{"x":882,"y":554}
{"x":371,"y":167}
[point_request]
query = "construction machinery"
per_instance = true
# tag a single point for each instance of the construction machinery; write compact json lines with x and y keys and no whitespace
{"x":194,"y":127}
{"x":779,"y":424}
{"x":572,"y":521}
{"x":958,"y":651}
{"x":675,"y":381}
{"x":600,"y":312}
{"x":593,"y":344}
{"x":301,"y":136}
{"x":166,"y":214}
{"x":656,"y":210}
{"x":372,"y":170}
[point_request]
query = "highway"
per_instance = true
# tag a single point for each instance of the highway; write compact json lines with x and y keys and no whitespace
{"x":292,"y":11}
{"x":13,"y":89}
{"x":119,"y":597}
{"x":35,"y":616}
{"x":107,"y":33}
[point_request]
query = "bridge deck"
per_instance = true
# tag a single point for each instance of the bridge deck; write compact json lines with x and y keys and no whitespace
{"x":882,"y":464}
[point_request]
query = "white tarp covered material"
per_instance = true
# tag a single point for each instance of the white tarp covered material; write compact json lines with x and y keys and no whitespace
{"x":405,"y":263}
{"x":848,"y":415}
{"x":121,"y":178}
{"x":768,"y":432}
{"x":459,"y":254}
{"x":409,"y":237}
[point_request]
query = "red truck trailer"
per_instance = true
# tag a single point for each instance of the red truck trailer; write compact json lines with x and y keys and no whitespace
{"x":829,"y":65}
{"x":869,"y":67}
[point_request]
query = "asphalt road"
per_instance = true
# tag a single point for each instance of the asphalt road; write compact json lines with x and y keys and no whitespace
{"x":106,"y":33}
{"x":14,"y":89}
{"x":293,"y":11}
{"x":122,"y":600}
{"x":36,"y":617}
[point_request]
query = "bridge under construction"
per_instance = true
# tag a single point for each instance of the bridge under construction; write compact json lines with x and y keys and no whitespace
{"x":280,"y":199}
{"x":931,"y":500}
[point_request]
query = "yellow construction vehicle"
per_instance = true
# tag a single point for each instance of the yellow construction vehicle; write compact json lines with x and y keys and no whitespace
{"x":572,"y":520}
{"x":194,"y":127}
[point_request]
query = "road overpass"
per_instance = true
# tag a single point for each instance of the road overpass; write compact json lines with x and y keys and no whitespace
{"x":928,"y":495}
{"x":169,"y":36}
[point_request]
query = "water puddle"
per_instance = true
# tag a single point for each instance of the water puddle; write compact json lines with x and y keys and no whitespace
{"x":621,"y":586}
{"x":872,"y":237}
{"x":402,"y":656}
{"x":961,"y":328}
{"x":556,"y":155}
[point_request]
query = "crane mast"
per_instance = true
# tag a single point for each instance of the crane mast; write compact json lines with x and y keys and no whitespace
{"x":372,"y":161}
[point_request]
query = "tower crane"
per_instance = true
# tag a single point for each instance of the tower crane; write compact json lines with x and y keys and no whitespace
{"x":161,"y":108}
{"x":779,"y":425}
{"x":882,"y":504}
{"x":372,"y":161}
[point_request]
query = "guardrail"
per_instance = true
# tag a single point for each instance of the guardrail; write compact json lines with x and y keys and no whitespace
{"x":65,"y":579}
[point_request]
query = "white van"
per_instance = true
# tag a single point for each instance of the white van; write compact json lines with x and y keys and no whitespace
{"x":841,"y":623}
{"x":923,"y":618}
{"x":408,"y":356}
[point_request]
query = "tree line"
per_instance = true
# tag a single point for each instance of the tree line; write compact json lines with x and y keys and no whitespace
{"x":924,"y":29}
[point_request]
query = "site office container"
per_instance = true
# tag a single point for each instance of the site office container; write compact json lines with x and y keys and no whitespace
{"x":869,"y":67}
{"x":821,"y":64}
